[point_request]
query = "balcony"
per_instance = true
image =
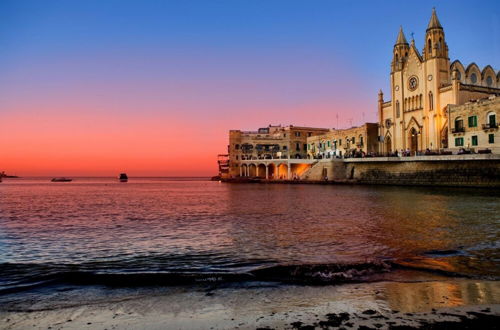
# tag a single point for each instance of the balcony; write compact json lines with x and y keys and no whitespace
{"x":458,"y":130}
{"x":490,"y":126}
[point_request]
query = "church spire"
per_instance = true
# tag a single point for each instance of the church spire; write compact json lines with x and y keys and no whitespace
{"x":400,"y":52}
{"x":434,"y":22}
{"x":401,"y":40}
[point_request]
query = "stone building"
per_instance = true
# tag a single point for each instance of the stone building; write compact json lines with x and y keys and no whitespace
{"x":422,"y":86}
{"x":265,"y":146}
{"x":342,"y":142}
{"x":474,"y":125}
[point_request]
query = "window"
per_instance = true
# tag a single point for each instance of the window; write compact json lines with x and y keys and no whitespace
{"x":491,"y":138}
{"x":397,"y":109}
{"x":236,"y":157}
{"x":236,"y":146}
{"x":297,"y":134}
{"x":429,"y":47}
{"x":353,"y":140}
{"x":320,"y":144}
{"x":459,"y":125}
{"x":284,"y":134}
{"x":305,"y":146}
{"x":309,"y":134}
{"x":285,"y":148}
{"x":328,"y":144}
{"x":459,"y":75}
{"x":473,"y":121}
{"x":361,"y":140}
{"x":459,"y":142}
{"x":340,"y":142}
{"x":431,"y":101}
{"x":297,"y":146}
{"x":489,"y":81}
{"x":473,"y":78}
{"x":492,"y":120}
{"x":308,"y":147}
{"x":474,"y":140}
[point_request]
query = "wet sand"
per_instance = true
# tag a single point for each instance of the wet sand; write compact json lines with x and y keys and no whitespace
{"x":466,"y":304}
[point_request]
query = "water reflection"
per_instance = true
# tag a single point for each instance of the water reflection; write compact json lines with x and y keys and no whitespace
{"x":205,"y":224}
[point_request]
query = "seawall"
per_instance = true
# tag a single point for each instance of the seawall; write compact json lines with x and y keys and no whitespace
{"x":456,"y":170}
{"x":471,"y":170}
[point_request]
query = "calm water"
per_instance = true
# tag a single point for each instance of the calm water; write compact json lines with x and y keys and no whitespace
{"x":171,"y":231}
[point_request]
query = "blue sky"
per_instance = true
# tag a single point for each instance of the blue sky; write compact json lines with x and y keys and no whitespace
{"x":217,"y":65}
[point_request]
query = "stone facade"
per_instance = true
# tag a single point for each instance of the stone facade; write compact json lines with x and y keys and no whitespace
{"x":342,"y":142}
{"x":474,"y":125}
{"x":422,"y":87}
{"x":464,"y":171}
{"x":272,"y":142}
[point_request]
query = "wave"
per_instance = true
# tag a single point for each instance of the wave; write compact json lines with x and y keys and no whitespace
{"x":21,"y":277}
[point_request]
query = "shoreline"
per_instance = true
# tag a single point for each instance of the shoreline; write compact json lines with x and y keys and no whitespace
{"x":384,"y":305}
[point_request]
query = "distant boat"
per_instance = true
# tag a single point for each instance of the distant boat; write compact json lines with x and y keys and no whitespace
{"x":61,"y":180}
{"x":123,"y":177}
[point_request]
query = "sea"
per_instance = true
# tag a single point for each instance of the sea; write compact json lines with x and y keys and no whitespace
{"x":185,"y":232}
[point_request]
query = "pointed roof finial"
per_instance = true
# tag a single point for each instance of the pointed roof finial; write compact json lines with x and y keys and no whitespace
{"x":401,"y":37}
{"x":434,"y":22}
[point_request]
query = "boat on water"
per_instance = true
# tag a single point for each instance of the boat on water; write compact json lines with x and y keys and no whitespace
{"x":61,"y":180}
{"x":123,"y":177}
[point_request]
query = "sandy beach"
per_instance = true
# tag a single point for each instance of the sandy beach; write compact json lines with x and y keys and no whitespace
{"x":382,"y":305}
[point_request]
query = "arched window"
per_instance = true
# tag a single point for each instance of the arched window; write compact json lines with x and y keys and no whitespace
{"x":420,"y":101}
{"x":489,"y":81}
{"x":473,"y":78}
{"x":459,"y":125}
{"x":397,"y":109}
{"x":459,"y":75}
{"x":429,"y":46}
{"x":440,"y":44}
{"x":431,"y":101}
{"x":397,"y":59}
{"x":491,"y":120}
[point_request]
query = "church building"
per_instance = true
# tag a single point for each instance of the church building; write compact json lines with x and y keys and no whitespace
{"x":422,"y":86}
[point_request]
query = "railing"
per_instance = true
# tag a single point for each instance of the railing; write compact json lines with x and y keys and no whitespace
{"x":488,"y":126}
{"x":458,"y":130}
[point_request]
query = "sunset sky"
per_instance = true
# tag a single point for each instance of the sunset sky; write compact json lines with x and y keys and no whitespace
{"x":152,"y":87}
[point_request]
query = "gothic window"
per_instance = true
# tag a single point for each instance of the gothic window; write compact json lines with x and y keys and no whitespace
{"x":397,"y":109}
{"x":459,"y":75}
{"x":440,"y":44}
{"x":489,"y":81}
{"x":420,"y":101}
{"x":473,"y":78}
{"x":431,"y":101}
{"x":429,"y":46}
